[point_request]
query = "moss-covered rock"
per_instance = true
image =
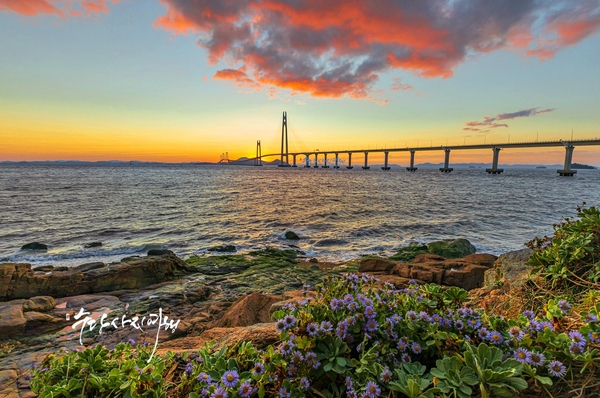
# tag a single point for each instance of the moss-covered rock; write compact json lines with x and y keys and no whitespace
{"x":451,"y":248}
{"x":408,"y":253}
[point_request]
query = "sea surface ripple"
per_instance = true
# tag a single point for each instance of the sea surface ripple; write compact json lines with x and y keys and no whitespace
{"x":339,"y":214}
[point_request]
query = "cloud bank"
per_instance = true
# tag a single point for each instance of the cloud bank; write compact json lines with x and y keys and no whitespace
{"x":338,"y":48}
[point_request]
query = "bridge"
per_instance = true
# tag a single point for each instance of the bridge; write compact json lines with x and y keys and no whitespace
{"x":447,"y":149}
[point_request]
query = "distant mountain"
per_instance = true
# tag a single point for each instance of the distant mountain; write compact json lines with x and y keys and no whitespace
{"x":488,"y":165}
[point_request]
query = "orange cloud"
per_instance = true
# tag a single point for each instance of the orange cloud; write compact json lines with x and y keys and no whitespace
{"x":339,"y":48}
{"x":60,"y":8}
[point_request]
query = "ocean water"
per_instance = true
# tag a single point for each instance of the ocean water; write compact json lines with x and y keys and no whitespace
{"x":339,"y":214}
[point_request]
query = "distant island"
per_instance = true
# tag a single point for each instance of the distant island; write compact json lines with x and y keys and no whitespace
{"x":582,"y":166}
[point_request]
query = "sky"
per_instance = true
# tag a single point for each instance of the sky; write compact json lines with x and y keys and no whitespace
{"x":188,"y":80}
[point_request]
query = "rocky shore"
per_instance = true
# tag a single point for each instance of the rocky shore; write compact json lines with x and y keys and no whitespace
{"x":225,"y":298}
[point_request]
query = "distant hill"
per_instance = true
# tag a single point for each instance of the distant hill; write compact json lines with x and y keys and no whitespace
{"x":582,"y":166}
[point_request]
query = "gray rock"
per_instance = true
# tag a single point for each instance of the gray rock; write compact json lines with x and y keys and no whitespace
{"x":44,"y":268}
{"x":510,"y":268}
{"x":92,"y":245}
{"x":291,"y":235}
{"x":89,"y":266}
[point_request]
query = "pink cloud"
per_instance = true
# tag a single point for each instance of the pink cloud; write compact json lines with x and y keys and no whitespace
{"x":489,"y":122}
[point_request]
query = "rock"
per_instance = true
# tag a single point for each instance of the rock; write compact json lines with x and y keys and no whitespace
{"x":424,"y":258}
{"x":89,"y":266}
{"x":451,"y":248}
{"x":510,"y":268}
{"x":39,"y":323}
{"x":156,"y":252}
{"x":291,"y":235}
{"x":223,"y":249}
{"x":34,"y":246}
{"x":250,"y":309}
{"x":8,"y":384}
{"x":12,"y":321}
{"x":313,"y":260}
{"x":92,"y":245}
{"x":375,"y":265}
{"x":44,"y":268}
{"x":61,"y":268}
{"x":260,"y":335}
{"x":484,"y":259}
{"x":20,"y":281}
{"x":39,"y":304}
{"x":408,"y":253}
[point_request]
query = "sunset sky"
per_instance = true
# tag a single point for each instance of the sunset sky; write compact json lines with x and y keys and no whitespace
{"x":186,"y":80}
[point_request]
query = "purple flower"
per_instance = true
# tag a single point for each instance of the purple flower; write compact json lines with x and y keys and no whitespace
{"x":557,"y":369}
{"x":292,"y":370}
{"x":286,"y":347}
{"x":576,"y":349}
{"x":370,"y":312}
{"x":280,"y":326}
{"x":131,"y":341}
{"x":412,"y":316}
{"x":283,"y":393}
{"x":246,"y":389}
{"x":458,"y":324}
{"x":258,"y":369}
{"x":577,"y":337}
{"x":564,"y":306}
{"x":219,"y":393}
{"x":289,"y":321}
{"x":372,"y":390}
{"x":349,"y":383}
{"x":591,"y":318}
{"x":415,"y":347}
{"x":537,"y":359}
{"x":483,"y":333}
{"x":386,"y":376}
{"x":529,"y":314}
{"x":348,"y":298}
{"x":516,"y":333}
{"x":230,"y":378}
{"x":371,"y":325}
{"x":594,"y":337}
{"x":326,"y":327}
{"x":312,"y":329}
{"x":435,"y":318}
{"x":522,"y":355}
{"x":401,"y":346}
{"x":423,"y":315}
{"x":336,"y":304}
{"x":473,"y":323}
{"x":495,"y":337}
{"x":446,"y":323}
{"x":189,"y":367}
{"x":406,"y":358}
{"x":304,"y":383}
{"x":203,"y":377}
{"x":352,"y":306}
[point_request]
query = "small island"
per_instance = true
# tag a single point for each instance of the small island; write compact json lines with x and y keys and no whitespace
{"x":580,"y":166}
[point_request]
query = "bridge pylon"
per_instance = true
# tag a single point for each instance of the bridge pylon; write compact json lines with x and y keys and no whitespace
{"x":284,"y":137}
{"x":258,"y":158}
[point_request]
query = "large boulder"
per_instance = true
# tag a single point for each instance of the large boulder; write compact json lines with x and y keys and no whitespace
{"x":510,"y":268}
{"x":223,"y":249}
{"x":451,"y":248}
{"x":467,"y":272}
{"x":250,"y":309}
{"x":291,"y":235}
{"x":39,"y":304}
{"x":20,"y":281}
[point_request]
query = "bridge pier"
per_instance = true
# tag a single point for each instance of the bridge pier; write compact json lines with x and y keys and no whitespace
{"x":325,"y":165}
{"x":385,"y":167}
{"x":566,"y":171}
{"x":336,"y":161}
{"x":349,"y":161}
{"x":307,"y":161}
{"x":412,"y":161}
{"x":294,"y":165}
{"x":446,"y":169}
{"x":495,"y":169}
{"x":316,"y":166}
{"x":366,"y":167}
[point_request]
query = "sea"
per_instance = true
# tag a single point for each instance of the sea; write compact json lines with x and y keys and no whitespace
{"x":338,"y":214}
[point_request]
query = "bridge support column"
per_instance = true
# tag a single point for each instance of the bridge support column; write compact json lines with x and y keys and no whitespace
{"x":495,"y":169}
{"x":385,"y":166}
{"x":294,"y":165}
{"x":325,"y":165}
{"x":366,"y":167}
{"x":349,"y":160}
{"x":336,"y":161}
{"x":316,"y":161}
{"x":307,"y":161}
{"x":412,"y":161}
{"x":566,"y":171}
{"x":446,"y":169}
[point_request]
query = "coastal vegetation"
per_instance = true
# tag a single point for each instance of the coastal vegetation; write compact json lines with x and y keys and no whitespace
{"x":352,"y":335}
